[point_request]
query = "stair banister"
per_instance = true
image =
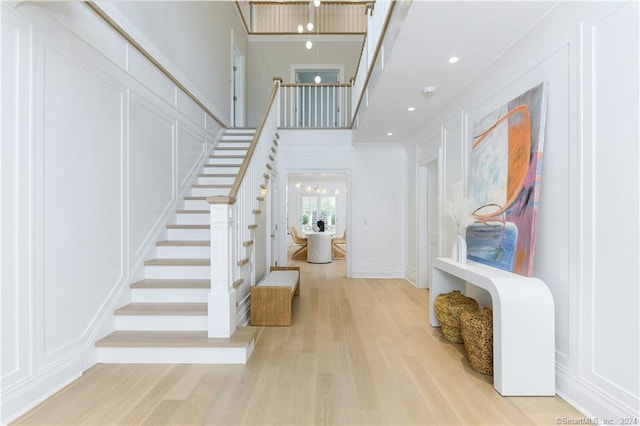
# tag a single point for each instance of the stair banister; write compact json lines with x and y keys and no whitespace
{"x":231,"y":217}
{"x":376,"y":32}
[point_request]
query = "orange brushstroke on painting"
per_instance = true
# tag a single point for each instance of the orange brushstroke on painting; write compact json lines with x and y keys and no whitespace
{"x":519,"y":139}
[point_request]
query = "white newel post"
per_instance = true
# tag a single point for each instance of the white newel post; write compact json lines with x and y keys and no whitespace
{"x":222,"y":297}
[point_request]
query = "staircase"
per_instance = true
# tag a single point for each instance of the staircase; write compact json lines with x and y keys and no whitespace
{"x":166,"y":321}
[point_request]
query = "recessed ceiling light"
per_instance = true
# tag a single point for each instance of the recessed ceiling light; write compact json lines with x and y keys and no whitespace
{"x":389,"y":134}
{"x":300,"y":28}
{"x":453,"y":59}
{"x":411,"y":109}
{"x":308,"y":44}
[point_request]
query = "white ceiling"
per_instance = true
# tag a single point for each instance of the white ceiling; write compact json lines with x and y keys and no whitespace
{"x":477,"y":32}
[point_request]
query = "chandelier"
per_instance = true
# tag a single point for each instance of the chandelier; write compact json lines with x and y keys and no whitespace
{"x":316,"y":189}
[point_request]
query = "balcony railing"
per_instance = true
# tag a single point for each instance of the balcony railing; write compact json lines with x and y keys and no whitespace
{"x":279,"y":17}
{"x":315,"y":105}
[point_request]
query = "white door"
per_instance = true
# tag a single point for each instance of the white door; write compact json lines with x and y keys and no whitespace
{"x":237,"y":95}
{"x":432,"y":217}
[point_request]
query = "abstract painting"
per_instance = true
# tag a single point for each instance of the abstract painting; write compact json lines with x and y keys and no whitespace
{"x":504,"y":182}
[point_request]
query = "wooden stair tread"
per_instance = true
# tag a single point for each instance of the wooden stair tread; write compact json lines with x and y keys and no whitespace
{"x":183,"y":243}
{"x":203,"y":211}
{"x":172,"y":284}
{"x":196,"y":197}
{"x":178,"y":262}
{"x":178,"y":226}
{"x":176,"y":309}
{"x":242,"y":337}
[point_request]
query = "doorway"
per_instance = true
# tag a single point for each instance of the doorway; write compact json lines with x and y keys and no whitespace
{"x":316,"y":196}
{"x":428,"y":229}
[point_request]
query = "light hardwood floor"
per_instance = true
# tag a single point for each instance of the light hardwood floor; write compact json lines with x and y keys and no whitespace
{"x":359,"y":351}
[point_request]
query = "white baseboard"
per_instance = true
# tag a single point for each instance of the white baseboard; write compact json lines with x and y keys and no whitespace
{"x":25,"y":395}
{"x":377,"y":270}
{"x":580,"y":394}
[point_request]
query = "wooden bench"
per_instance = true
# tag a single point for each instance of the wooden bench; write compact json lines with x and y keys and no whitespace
{"x":271,"y":298}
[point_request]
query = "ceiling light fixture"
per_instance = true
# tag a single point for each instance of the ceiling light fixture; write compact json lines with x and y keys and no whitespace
{"x":316,"y":189}
{"x":453,"y":59}
{"x":316,"y":3}
{"x":389,"y":134}
{"x":428,"y":90}
{"x":317,"y":79}
{"x":309,"y":45}
{"x":300,"y":29}
{"x":310,"y":26}
{"x":411,"y":109}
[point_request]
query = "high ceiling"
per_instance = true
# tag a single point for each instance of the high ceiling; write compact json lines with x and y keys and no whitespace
{"x":477,"y":32}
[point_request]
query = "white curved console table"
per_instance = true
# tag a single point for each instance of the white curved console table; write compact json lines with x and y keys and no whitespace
{"x":523,"y":324}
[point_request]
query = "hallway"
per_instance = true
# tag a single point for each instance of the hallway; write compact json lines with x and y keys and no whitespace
{"x":360,"y":351}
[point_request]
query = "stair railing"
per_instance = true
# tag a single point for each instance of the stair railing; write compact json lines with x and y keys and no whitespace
{"x":304,"y":105}
{"x":377,"y":26}
{"x":232,"y":225}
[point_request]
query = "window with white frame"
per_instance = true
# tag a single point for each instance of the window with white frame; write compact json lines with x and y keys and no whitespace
{"x":315,"y":207}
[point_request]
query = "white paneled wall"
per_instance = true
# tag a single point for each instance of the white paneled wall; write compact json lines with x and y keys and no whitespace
{"x":588,"y":234}
{"x":97,"y":147}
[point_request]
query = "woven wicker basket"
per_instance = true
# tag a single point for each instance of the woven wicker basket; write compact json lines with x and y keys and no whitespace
{"x":448,"y":307}
{"x":477,"y":332}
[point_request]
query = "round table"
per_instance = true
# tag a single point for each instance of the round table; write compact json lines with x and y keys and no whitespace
{"x":319,"y":247}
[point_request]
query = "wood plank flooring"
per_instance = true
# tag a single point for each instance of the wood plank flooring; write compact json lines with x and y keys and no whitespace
{"x":360,"y":351}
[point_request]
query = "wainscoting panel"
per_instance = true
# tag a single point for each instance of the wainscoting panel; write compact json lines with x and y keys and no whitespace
{"x":555,"y":223}
{"x":190,"y":108}
{"x":190,"y":148}
{"x":144,"y":71}
{"x":453,"y":163}
{"x":610,"y":230}
{"x":152,"y":139}
{"x":81,"y":148}
{"x":15,"y":158}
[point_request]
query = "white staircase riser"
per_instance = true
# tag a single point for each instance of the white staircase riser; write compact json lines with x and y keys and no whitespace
{"x":183,"y":252}
{"x":238,"y":151}
{"x":222,"y":160}
{"x":169,"y":295}
{"x":196,"y":205}
{"x":236,"y":142}
{"x":135,"y":355}
{"x":209,"y":192}
{"x":217,"y":180}
{"x":189,"y":234}
{"x":237,"y":137}
{"x":161,"y":322}
{"x":224,"y":169}
{"x":177,"y":272}
{"x":193,"y":218}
